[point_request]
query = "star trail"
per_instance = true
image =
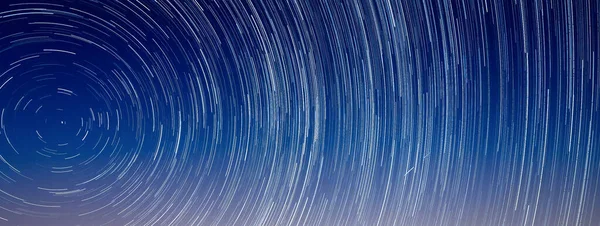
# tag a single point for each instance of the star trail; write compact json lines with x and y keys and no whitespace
{"x":291,"y":112}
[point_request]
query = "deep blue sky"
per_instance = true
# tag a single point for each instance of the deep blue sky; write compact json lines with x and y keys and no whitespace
{"x":299,"y":112}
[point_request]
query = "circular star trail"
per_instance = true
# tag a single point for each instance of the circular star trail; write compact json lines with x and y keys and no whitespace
{"x":299,"y":112}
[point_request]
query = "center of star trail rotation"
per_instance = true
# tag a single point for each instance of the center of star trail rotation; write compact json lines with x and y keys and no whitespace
{"x":299,"y":112}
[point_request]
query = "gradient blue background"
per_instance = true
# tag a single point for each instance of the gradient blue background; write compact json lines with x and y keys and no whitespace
{"x":299,"y":113}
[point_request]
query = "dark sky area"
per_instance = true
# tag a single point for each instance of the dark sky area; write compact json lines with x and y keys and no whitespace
{"x":292,"y":112}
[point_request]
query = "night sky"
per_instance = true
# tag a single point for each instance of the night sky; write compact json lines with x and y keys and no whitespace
{"x":299,"y":112}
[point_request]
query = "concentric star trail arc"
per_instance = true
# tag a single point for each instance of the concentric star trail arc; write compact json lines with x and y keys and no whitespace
{"x":278,"y":112}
